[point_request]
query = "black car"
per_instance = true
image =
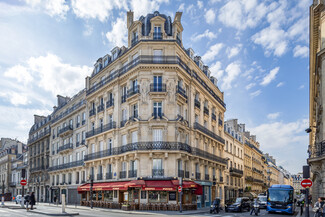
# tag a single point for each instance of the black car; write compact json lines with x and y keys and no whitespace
{"x":240,"y":204}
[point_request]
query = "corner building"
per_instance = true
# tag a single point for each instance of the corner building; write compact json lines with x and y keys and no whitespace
{"x":155,"y":114}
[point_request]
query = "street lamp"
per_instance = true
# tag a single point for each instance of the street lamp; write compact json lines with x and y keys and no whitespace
{"x":91,"y":191}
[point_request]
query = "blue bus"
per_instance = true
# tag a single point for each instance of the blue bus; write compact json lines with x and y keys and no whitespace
{"x":280,"y":198}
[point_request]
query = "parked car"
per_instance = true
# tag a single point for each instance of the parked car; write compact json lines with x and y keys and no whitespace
{"x":18,"y":199}
{"x":240,"y":205}
{"x":262,"y":200}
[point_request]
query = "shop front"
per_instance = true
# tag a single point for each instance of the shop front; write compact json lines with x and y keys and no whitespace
{"x":140,"y":195}
{"x":204,"y":199}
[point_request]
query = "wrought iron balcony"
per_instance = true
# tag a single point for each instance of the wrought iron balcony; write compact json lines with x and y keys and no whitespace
{"x":83,"y":122}
{"x":157,"y":35}
{"x":66,"y":130}
{"x":134,"y":41}
{"x":204,"y":130}
{"x":134,"y":90}
{"x":77,"y":144}
{"x":100,"y":108}
{"x":187,"y":174}
{"x":249,"y":178}
{"x":181,"y":173}
{"x":35,"y":169}
{"x":197,"y":103}
{"x":100,"y":176}
{"x":198,"y":176}
{"x":92,"y":112}
{"x":181,"y":91}
{"x":39,"y":136}
{"x":159,"y":145}
{"x":109,"y":175}
{"x":65,"y":147}
{"x":213,"y":117}
{"x":236,"y":172}
{"x":123,"y":123}
{"x":123,"y":98}
{"x":206,"y":111}
{"x":159,"y":87}
{"x":78,"y":125}
{"x":157,"y":172}
{"x":220,"y":179}
{"x":66,"y":165}
{"x":110,"y":103}
{"x":70,"y":110}
{"x":220,"y":122}
{"x":132,"y":173}
{"x":207,"y":177}
{"x":157,"y":115}
{"x":122,"y":174}
{"x":101,"y":129}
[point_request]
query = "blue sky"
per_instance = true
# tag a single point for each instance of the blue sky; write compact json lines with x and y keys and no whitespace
{"x":258,"y":50}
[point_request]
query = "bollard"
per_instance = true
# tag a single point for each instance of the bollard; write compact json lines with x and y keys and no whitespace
{"x":63,"y":203}
{"x":22,"y":202}
{"x":2,"y":201}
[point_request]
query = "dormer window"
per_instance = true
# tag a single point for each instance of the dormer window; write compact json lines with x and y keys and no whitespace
{"x":157,"y":35}
{"x":134,"y":38}
{"x":114,"y":55}
{"x":105,"y":62}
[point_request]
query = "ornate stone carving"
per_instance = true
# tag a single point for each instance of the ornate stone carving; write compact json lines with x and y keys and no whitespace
{"x":144,"y":91}
{"x":171,"y":91}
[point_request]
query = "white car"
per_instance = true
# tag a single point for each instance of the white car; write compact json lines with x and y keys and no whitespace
{"x":18,"y":199}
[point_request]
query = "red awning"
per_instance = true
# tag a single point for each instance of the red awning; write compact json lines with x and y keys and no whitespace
{"x":104,"y":186}
{"x":186,"y":184}
{"x":159,"y":185}
{"x":135,"y":184}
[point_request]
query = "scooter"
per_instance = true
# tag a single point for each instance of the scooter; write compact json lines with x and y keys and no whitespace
{"x":256,"y":207}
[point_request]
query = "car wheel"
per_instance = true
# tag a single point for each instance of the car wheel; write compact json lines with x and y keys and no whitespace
{"x":240,"y":209}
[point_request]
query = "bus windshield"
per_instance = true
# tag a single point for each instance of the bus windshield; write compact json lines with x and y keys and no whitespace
{"x":280,"y":195}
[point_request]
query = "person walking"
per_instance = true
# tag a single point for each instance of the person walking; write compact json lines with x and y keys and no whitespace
{"x":318,"y":208}
{"x":26,"y":198}
{"x":54,"y":198}
{"x":32,"y":200}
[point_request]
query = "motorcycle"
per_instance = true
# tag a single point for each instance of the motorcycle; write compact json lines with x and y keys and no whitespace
{"x":215,"y":207}
{"x":256,"y":208}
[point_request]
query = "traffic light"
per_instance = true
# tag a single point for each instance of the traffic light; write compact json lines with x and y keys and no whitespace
{"x":23,"y":173}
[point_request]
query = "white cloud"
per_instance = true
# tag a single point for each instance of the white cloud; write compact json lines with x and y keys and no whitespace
{"x":299,"y":30}
{"x":301,"y":86}
{"x":270,"y":77}
{"x":118,"y":35}
{"x":273,"y":116}
{"x":212,"y":52}
{"x":88,"y":30}
{"x":280,"y":84}
{"x":143,"y":7}
{"x":45,"y":77}
{"x":200,"y":4}
{"x":181,"y":7}
{"x":301,"y":51}
{"x":242,"y":14}
{"x":206,"y":34}
{"x":53,"y":8}
{"x":249,"y":86}
{"x":210,"y":16}
{"x":272,"y":39}
{"x":216,"y":70}
{"x":255,"y":94}
{"x":233,"y":51}
{"x":232,"y":71}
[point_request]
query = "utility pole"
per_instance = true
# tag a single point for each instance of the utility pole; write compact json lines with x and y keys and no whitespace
{"x":91,"y":192}
{"x":181,"y":193}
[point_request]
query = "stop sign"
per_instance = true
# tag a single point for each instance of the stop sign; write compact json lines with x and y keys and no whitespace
{"x":179,"y":189}
{"x":306,"y":183}
{"x":23,"y":182}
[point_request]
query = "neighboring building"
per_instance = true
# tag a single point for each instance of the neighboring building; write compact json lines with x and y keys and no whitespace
{"x":272,"y":170}
{"x":317,"y":98}
{"x":154,"y":114}
{"x":19,"y":164}
{"x":285,"y":177}
{"x":234,"y":153}
{"x":39,"y":152}
{"x":68,"y":147}
{"x":11,"y":152}
{"x":296,"y":179}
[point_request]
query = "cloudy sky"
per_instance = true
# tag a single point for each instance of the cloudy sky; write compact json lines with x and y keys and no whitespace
{"x":258,"y":50}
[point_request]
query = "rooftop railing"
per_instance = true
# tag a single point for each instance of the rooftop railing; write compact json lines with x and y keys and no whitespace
{"x":101,"y":129}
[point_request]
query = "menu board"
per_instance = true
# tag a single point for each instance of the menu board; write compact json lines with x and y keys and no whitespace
{"x":172,"y":195}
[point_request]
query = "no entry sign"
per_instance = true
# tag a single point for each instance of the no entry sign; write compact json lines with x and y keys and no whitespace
{"x":179,"y":189}
{"x":306,"y":183}
{"x":23,"y":182}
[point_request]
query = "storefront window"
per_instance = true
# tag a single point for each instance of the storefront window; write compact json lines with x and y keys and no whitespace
{"x":206,"y":193}
{"x":94,"y":195}
{"x":100,"y":195}
{"x":83,"y":196}
{"x":153,"y":196}
{"x":108,"y":196}
{"x":143,"y":194}
{"x":115,"y":194}
{"x":163,"y":196}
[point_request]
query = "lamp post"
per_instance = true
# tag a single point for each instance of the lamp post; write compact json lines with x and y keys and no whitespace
{"x":91,"y":191}
{"x":3,"y":193}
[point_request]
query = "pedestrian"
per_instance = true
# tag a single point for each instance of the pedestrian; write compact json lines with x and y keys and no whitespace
{"x":318,"y":207}
{"x":26,"y":198}
{"x":32,"y":200}
{"x":302,"y":203}
{"x":54,"y":198}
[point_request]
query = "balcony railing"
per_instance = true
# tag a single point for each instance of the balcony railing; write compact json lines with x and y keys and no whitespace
{"x":143,"y":59}
{"x":123,"y":123}
{"x":220,"y":122}
{"x":100,"y":108}
{"x":39,"y":136}
{"x":134,"y":90}
{"x":92,"y":112}
{"x":187,"y":174}
{"x":157,"y":35}
{"x":197,"y":103}
{"x":220,"y":179}
{"x":317,"y":150}
{"x":101,"y":129}
{"x":206,"y":111}
{"x":37,"y":168}
{"x":65,"y":147}
{"x":159,"y":87}
{"x":134,"y":41}
{"x":236,"y":172}
{"x":66,"y":165}
{"x":204,"y":130}
{"x":207,"y":177}
{"x":12,"y":184}
{"x":198,"y":176}
{"x":123,"y":98}
{"x":122,"y":174}
{"x":181,"y":91}
{"x":65,"y":129}
{"x":157,"y":172}
{"x":83,"y":122}
{"x":148,"y":146}
{"x":100,"y":176}
{"x":157,"y":115}
{"x":110,"y":103}
{"x":181,"y":173}
{"x":132,"y":173}
{"x":213,"y":117}
{"x":109,"y":175}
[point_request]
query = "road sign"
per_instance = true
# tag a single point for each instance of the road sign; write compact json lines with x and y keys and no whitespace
{"x":179,"y":189}
{"x":306,"y":183}
{"x":23,"y":182}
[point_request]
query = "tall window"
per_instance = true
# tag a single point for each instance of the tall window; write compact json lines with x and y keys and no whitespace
{"x":124,"y":114}
{"x":157,"y":109}
{"x":157,"y":135}
{"x":78,"y":120}
{"x":92,"y":148}
{"x":157,"y":33}
{"x":157,"y":56}
{"x":110,"y":118}
{"x":135,"y":110}
{"x":123,"y":139}
{"x":101,"y":146}
{"x":83,"y":118}
{"x":109,"y":145}
{"x":133,"y":165}
{"x":157,"y":83}
{"x":134,"y":136}
{"x":123,"y":166}
{"x":180,"y":165}
{"x":157,"y":164}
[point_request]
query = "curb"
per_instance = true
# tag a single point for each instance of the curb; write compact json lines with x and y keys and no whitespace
{"x":54,"y":214}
